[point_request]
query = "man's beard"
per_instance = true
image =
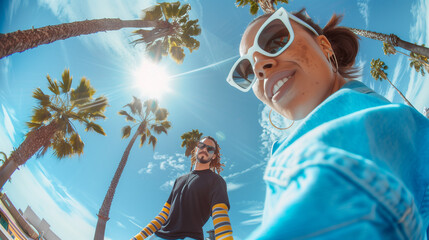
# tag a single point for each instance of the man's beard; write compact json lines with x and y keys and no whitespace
{"x":201,"y":160}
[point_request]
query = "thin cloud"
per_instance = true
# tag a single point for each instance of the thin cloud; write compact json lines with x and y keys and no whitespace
{"x":254,"y":212}
{"x":363,"y":6}
{"x":120,"y":224}
{"x":10,"y":130}
{"x":168,"y":185}
{"x":396,"y":77}
{"x":233,"y":186}
{"x":148,"y":169}
{"x":244,"y":171}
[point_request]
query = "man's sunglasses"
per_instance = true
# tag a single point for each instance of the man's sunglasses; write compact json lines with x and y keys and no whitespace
{"x":210,"y":149}
{"x":272,"y":39}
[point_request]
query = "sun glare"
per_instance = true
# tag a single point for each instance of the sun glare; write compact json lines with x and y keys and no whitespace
{"x":151,"y":80}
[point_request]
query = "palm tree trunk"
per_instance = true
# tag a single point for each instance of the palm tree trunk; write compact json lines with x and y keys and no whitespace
{"x":20,"y":41}
{"x":393,"y":40}
{"x":31,"y":144}
{"x":400,"y":93}
{"x":103,"y":214}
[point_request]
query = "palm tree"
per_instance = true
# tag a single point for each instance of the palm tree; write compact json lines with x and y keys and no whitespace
{"x":266,"y":5}
{"x":393,"y":40}
{"x":378,"y":68}
{"x":172,"y":39}
{"x":175,"y":23}
{"x":51,"y":125}
{"x":152,"y":117}
{"x":419,"y":62}
{"x":190,"y":140}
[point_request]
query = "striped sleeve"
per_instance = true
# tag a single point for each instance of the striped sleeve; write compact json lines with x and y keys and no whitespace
{"x":155,"y":224}
{"x":222,"y":226}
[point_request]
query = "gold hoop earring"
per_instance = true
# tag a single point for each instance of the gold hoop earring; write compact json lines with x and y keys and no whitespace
{"x":336,"y":62}
{"x":269,"y":116}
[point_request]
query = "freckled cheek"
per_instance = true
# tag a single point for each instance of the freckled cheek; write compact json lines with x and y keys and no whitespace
{"x":258,"y":90}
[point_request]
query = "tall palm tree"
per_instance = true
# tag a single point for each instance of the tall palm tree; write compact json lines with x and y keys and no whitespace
{"x":378,"y":68}
{"x":190,"y":140}
{"x":393,"y":40}
{"x":51,"y":125}
{"x":266,"y":5}
{"x":152,"y":117}
{"x":180,"y":28}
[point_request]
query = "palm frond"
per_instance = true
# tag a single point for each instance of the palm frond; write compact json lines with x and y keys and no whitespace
{"x":66,"y":82}
{"x":76,"y":143}
{"x":40,"y":115}
{"x":128,"y":116}
{"x":161,"y":114}
{"x":153,"y":140}
{"x":151,"y":105}
{"x":34,"y":125}
{"x":183,"y":10}
{"x":142,"y":139}
{"x":177,"y":54}
{"x":166,"y":124}
{"x":83,"y":93}
{"x":91,"y":126}
{"x":62,"y":148}
{"x":126,"y":131}
{"x":65,"y":125}
{"x":159,"y":129}
{"x":97,"y":106}
{"x":41,"y":97}
{"x":53,"y":86}
{"x":135,"y":106}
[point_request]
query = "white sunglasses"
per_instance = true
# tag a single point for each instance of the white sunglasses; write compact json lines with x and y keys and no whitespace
{"x":272,"y":39}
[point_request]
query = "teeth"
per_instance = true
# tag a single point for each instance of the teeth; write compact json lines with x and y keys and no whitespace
{"x":279,"y":84}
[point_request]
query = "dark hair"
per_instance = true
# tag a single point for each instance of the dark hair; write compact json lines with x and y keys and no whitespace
{"x":215,"y":164}
{"x":343,"y":41}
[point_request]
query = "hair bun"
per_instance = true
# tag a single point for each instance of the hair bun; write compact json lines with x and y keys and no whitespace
{"x":345,"y":45}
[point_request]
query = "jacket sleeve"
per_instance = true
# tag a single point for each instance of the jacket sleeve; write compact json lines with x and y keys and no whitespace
{"x":221,"y":223}
{"x":155,"y":224}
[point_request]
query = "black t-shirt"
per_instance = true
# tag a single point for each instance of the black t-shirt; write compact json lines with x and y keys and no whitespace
{"x":192,"y":198}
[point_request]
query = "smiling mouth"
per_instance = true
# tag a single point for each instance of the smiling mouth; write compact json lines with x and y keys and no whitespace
{"x":279,"y":84}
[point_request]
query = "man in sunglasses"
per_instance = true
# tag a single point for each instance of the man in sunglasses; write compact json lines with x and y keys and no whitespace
{"x":195,"y":197}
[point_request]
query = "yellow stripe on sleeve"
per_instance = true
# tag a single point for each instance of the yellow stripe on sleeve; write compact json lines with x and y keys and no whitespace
{"x":221,"y":222}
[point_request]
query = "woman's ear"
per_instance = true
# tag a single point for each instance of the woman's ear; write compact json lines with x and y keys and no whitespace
{"x":325,"y":45}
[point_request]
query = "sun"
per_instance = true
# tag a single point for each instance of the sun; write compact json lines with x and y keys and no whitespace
{"x":151,"y":80}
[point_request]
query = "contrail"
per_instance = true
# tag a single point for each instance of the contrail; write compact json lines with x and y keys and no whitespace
{"x":205,"y":67}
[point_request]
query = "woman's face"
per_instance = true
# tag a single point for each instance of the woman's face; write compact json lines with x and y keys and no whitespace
{"x":297,"y":80}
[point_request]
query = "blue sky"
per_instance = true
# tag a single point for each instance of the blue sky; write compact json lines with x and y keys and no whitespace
{"x":68,"y":193}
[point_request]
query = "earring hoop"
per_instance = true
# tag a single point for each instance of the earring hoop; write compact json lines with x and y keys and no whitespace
{"x":269,"y":116}
{"x":336,"y":62}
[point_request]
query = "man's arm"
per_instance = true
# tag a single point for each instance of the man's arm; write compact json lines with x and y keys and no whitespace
{"x":222,"y":225}
{"x":155,"y":224}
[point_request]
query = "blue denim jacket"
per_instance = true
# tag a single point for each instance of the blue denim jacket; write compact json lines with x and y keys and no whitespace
{"x":357,"y":167}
